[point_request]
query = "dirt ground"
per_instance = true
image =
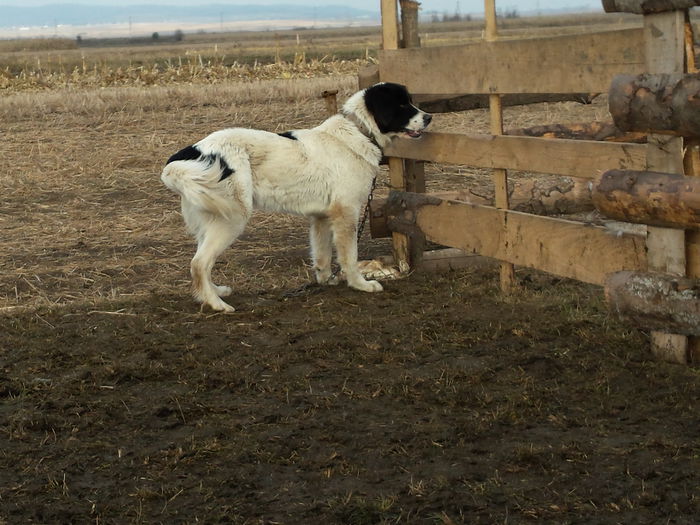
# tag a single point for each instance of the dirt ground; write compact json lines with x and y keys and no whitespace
{"x":438,"y":401}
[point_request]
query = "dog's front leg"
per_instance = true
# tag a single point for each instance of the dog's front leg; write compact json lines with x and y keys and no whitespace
{"x":344,"y":226}
{"x":321,"y":237}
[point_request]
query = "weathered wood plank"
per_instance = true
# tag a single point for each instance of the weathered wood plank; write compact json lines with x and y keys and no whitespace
{"x":643,"y":7}
{"x":560,"y":247}
{"x":562,"y":64}
{"x":574,"y":158}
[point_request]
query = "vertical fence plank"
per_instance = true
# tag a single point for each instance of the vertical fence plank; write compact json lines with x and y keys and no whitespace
{"x":390,"y":25}
{"x":664,"y":38}
{"x":692,"y":169}
{"x":500,"y":176}
{"x":391,"y":39}
{"x":400,"y":241}
{"x":414,"y":169}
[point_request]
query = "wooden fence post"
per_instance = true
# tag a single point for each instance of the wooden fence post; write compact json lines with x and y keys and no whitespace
{"x":391,"y":39}
{"x":405,"y":174}
{"x":665,"y":53}
{"x":400,"y":241}
{"x":330,"y":97}
{"x":390,"y":25}
{"x":414,"y":170}
{"x":500,"y":176}
{"x":692,"y":169}
{"x":409,"y":23}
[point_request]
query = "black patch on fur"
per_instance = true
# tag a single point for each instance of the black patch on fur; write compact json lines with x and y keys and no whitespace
{"x":390,"y":105}
{"x":288,"y":135}
{"x":188,"y":153}
{"x":226,"y":170}
{"x":192,"y":153}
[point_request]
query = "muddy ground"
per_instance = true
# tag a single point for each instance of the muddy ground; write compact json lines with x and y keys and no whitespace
{"x":438,"y":401}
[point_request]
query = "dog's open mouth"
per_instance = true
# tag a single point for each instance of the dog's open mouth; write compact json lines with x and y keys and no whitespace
{"x":413,"y":133}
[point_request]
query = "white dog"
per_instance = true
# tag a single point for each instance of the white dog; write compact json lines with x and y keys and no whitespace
{"x":324,"y":173}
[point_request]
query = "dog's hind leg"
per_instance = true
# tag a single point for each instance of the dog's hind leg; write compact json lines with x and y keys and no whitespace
{"x":321,"y":237}
{"x":216,"y":235}
{"x":198,"y":223}
{"x":344,"y":227}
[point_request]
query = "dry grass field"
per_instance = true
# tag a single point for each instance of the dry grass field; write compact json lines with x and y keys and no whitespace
{"x":439,"y":400}
{"x":211,"y":57}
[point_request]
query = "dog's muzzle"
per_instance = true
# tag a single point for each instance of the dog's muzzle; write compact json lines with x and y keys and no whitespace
{"x":416,"y":133}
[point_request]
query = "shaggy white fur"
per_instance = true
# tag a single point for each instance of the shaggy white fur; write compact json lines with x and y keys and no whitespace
{"x":324,"y":173}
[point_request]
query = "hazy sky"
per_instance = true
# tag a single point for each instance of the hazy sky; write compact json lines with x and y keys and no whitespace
{"x":464,"y":6}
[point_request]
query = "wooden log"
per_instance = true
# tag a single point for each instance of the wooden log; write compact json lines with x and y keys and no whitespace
{"x":645,"y":7}
{"x":604,"y":131}
{"x":656,"y":301}
{"x":663,"y":103}
{"x":451,"y":103}
{"x":649,"y":197}
{"x":409,"y":23}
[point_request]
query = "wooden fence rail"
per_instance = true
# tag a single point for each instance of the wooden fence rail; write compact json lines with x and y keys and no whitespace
{"x":557,"y":246}
{"x":561,"y":64}
{"x":573,"y":158}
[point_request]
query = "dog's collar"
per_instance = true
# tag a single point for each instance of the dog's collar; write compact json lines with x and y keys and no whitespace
{"x":361,"y":126}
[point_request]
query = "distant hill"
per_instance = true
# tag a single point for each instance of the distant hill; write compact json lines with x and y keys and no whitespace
{"x":75,"y":14}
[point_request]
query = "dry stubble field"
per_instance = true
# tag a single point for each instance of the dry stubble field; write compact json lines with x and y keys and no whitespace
{"x":437,"y":401}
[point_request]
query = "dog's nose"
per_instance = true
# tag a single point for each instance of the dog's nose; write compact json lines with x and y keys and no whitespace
{"x":427,"y":118}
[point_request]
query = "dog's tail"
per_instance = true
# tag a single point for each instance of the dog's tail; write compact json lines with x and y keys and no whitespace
{"x":204,"y":183}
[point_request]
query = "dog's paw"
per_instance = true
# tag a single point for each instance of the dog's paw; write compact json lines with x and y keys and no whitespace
{"x":223,"y":291}
{"x":325,"y":277}
{"x":219,"y":306}
{"x":367,"y":286}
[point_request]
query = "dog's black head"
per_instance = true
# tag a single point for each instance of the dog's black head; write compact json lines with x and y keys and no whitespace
{"x":394,"y":113}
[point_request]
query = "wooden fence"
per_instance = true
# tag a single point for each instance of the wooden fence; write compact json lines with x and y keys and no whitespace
{"x":578,"y":63}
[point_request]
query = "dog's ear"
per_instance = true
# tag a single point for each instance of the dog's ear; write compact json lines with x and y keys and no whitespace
{"x":379,"y":106}
{"x":388,"y":103}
